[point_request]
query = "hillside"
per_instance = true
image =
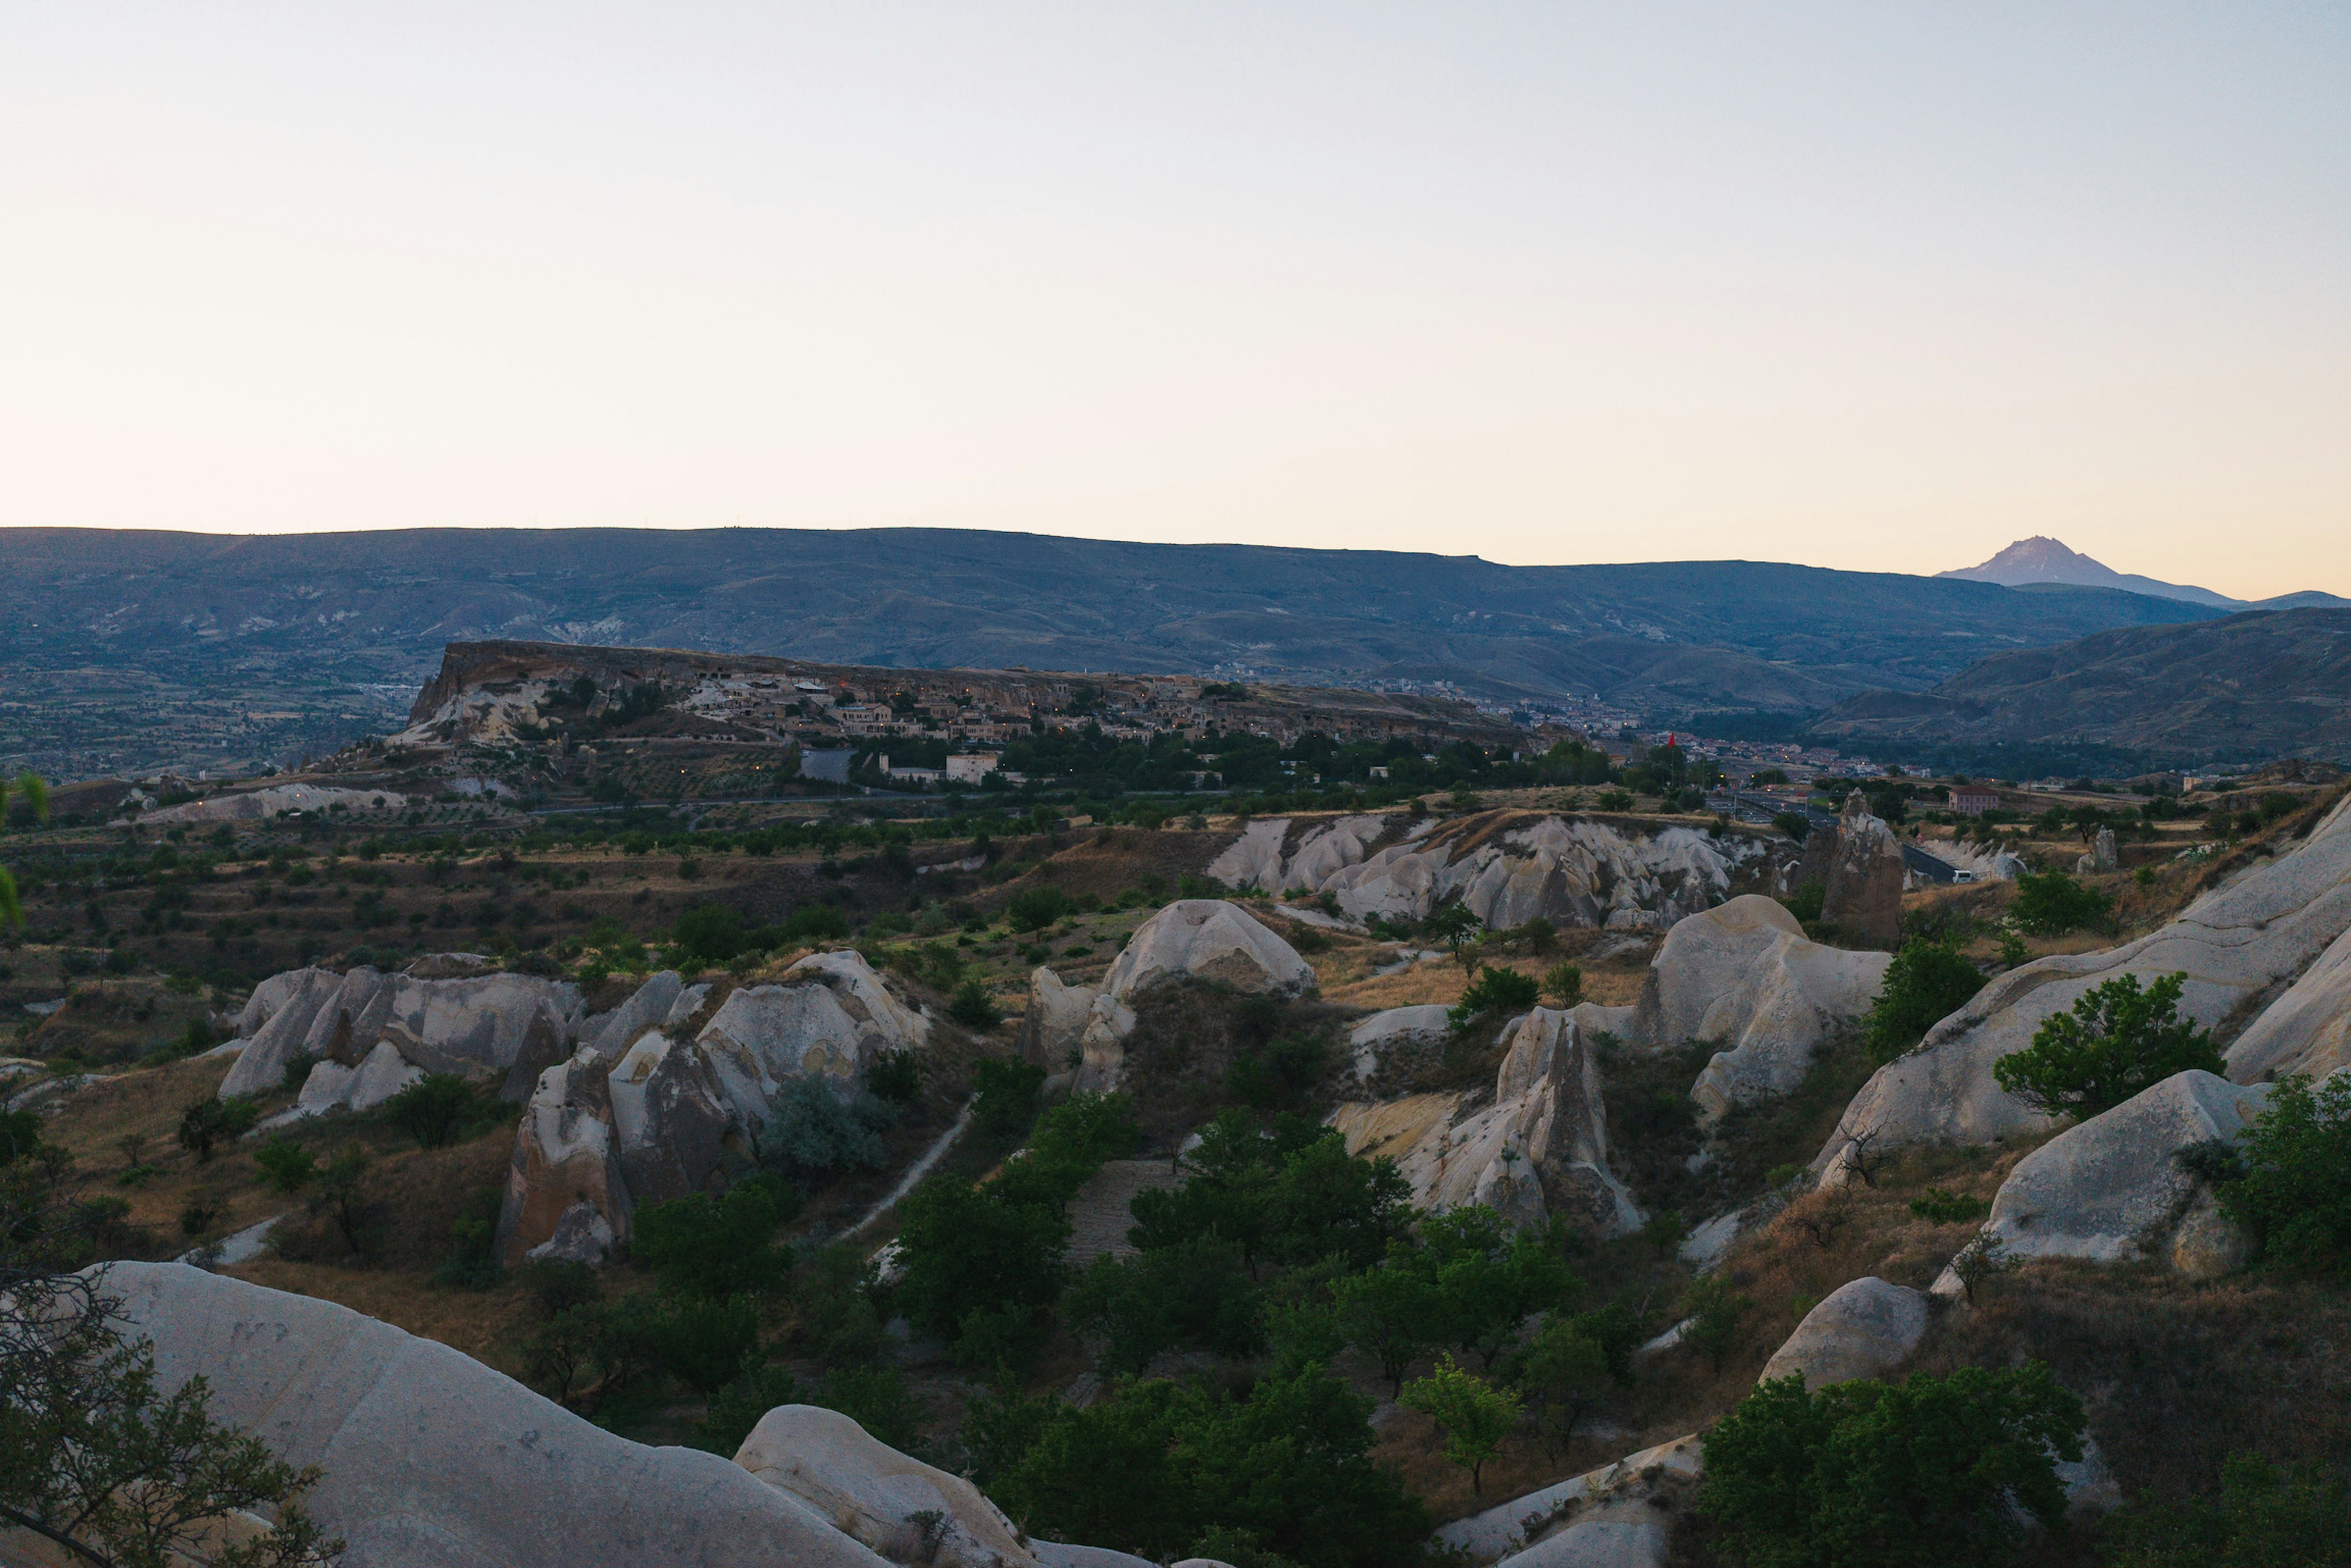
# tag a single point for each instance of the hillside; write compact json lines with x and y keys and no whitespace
{"x":2267,"y":683}
{"x":133,"y":649}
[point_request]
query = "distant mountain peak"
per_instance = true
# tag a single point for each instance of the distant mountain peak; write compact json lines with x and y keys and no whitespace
{"x":2044,"y":559}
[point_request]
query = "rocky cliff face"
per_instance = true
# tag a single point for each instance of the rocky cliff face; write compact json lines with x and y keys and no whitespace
{"x":1505,"y":867}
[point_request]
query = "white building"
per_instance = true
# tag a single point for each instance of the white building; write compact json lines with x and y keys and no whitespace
{"x":970,"y":768}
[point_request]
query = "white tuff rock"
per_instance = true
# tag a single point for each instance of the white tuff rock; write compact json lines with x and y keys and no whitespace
{"x":1866,"y":1328}
{"x":877,"y":1495}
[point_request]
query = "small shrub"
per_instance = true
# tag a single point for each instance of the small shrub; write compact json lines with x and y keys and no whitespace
{"x":893,"y":1075}
{"x":439,"y":1109}
{"x":876,"y":1399}
{"x":197,"y":1216}
{"x":470,"y":1259}
{"x":1937,"y":1206}
{"x":1007,"y":1090}
{"x":1563,"y":984}
{"x":1806,"y":902}
{"x":703,"y":1341}
{"x":1715,"y":1312}
{"x":1037,"y":908}
{"x":286,"y":1166}
{"x":709,"y":934}
{"x":814,"y":1130}
{"x":755,"y":1389}
{"x":555,"y":1285}
{"x":2267,"y":1516}
{"x":2118,"y":1041}
{"x":1494,"y":991}
{"x":974,"y":1009}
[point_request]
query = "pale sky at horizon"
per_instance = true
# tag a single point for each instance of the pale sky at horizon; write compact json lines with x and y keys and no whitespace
{"x":1867,"y":286}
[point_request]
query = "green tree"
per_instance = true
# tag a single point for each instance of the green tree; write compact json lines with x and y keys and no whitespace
{"x":962,"y":1247}
{"x":974,"y":1009}
{"x":1563,"y":984}
{"x":286,"y":1166}
{"x":1196,"y":1294}
{"x":1475,"y":1415}
{"x":814,"y":1129}
{"x":2294,"y":1192}
{"x":1934,"y":1469}
{"x":1456,"y":926}
{"x":1392,"y":1314}
{"x":1037,"y":908}
{"x":1006,"y":1089}
{"x":703,"y":1341}
{"x":714,"y":1248}
{"x":211,"y":1121}
{"x":2118,"y":1041}
{"x":2051,"y":903}
{"x":1489,"y":1281}
{"x":709,"y":935}
{"x":35,"y":792}
{"x":342,"y":1195}
{"x":92,"y":1457}
{"x":1925,"y":983}
{"x":439,"y":1109}
{"x":1565,"y":1375}
{"x":1715,"y":1312}
{"x":12,"y":907}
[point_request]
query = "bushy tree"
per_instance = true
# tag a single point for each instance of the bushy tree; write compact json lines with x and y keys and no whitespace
{"x":211,"y":1121}
{"x":1157,"y":1466}
{"x":1493,"y":991}
{"x":1564,"y":1374}
{"x":813,"y":1129}
{"x":1007,"y":1089}
{"x":708,"y":935}
{"x":974,"y":1009}
{"x":2051,"y":903}
{"x":1394,"y":1313}
{"x":1195,"y":1295}
{"x":1866,"y":1475}
{"x":2294,"y":1192}
{"x":1037,"y":908}
{"x":93,"y":1457}
{"x":1714,"y":1312}
{"x":1563,"y":984}
{"x":2118,"y":1041}
{"x":712,"y":1249}
{"x":1475,"y":1415}
{"x":286,"y":1166}
{"x":439,"y":1109}
{"x":1925,"y":983}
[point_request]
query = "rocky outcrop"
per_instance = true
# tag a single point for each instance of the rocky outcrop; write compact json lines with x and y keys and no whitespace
{"x":1744,"y":974}
{"x":2102,"y":856}
{"x":904,"y":1509}
{"x":2239,"y":945}
{"x":1866,"y":1328}
{"x":1858,"y":864}
{"x":2109,"y":1190}
{"x":1539,"y":1149}
{"x":647,"y":1114}
{"x":1053,"y":1025}
{"x":432,"y":1460}
{"x":2306,"y":1030}
{"x":1210,"y":940}
{"x":1608,"y":1517}
{"x":274,"y":801}
{"x":1507,"y":867}
{"x":1371,"y":1038}
{"x":365,"y":1030}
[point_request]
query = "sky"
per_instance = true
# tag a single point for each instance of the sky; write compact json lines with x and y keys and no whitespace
{"x":1874,"y":287}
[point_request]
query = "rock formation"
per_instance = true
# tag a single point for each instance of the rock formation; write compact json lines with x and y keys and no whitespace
{"x":647,"y":1114}
{"x":1609,"y":1518}
{"x":1540,"y":1147}
{"x":1371,"y":1038}
{"x":1858,"y":864}
{"x":2239,"y":945}
{"x":368,"y":1033}
{"x":904,"y":1509}
{"x":2307,"y":1029}
{"x":1866,"y":1328}
{"x":1507,"y":867}
{"x":432,"y":1460}
{"x":1054,"y":1022}
{"x":2109,"y":1189}
{"x":1203,"y":939}
{"x":1743,"y":974}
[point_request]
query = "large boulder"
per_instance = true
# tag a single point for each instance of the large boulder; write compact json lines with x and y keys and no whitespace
{"x":1263,"y":856}
{"x":1053,"y":1025}
{"x":1539,"y":1148}
{"x":647,"y":1007}
{"x":2239,"y":943}
{"x":908,"y":1510}
{"x":1866,"y":1328}
{"x":432,"y":1460}
{"x":2109,"y":1189}
{"x":1211,"y":940}
{"x":1254,"y":858}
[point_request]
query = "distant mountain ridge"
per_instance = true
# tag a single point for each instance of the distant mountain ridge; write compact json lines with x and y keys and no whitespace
{"x":2268,"y":683}
{"x":2043,"y":560}
{"x":321,"y":619}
